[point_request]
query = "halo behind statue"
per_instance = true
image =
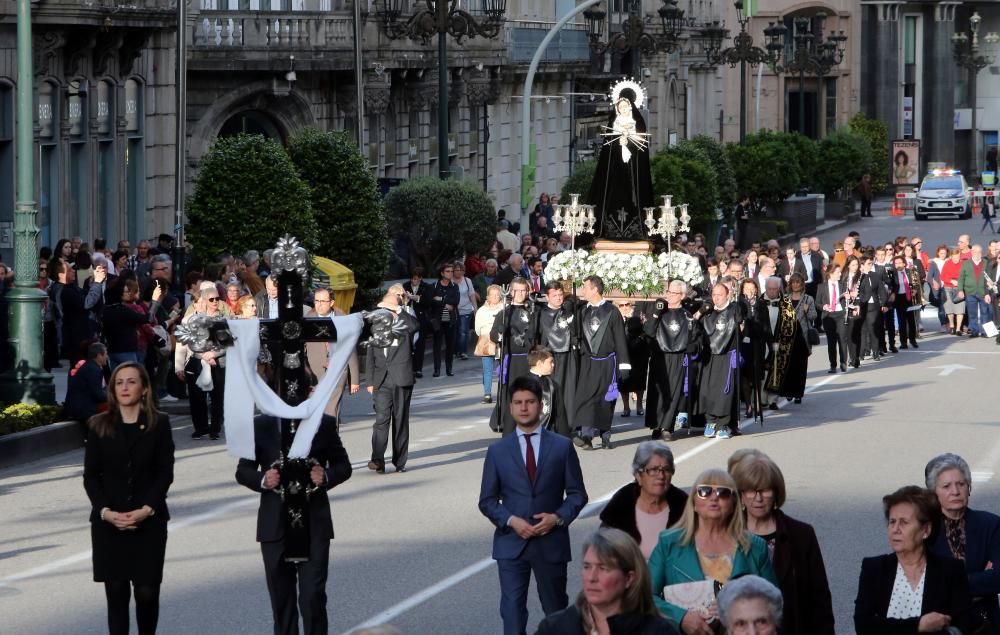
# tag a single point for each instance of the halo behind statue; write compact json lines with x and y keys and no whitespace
{"x":631,"y":85}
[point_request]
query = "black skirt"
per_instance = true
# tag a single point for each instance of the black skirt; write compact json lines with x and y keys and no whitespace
{"x":134,"y":555}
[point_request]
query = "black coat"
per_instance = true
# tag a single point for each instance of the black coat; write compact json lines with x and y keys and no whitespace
{"x":395,"y":363}
{"x":124,"y":475}
{"x":798,"y":565}
{"x":326,"y":448}
{"x":620,"y":510}
{"x":946,"y":590}
{"x":85,"y":391}
{"x":569,"y":622}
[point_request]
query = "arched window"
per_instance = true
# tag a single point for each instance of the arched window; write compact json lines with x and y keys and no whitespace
{"x":47,"y":117}
{"x":135,"y":173}
{"x":107,"y":184}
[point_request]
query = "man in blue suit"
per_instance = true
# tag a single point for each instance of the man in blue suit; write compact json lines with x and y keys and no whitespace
{"x":532,"y":489}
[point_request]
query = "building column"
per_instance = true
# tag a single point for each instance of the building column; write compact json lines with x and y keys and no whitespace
{"x":939,"y":85}
{"x":888,"y":96}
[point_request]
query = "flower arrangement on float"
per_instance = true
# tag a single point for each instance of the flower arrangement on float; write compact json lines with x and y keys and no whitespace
{"x":629,"y":274}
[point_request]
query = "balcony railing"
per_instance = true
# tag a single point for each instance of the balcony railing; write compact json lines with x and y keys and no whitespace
{"x":570,"y":45}
{"x":262,"y":30}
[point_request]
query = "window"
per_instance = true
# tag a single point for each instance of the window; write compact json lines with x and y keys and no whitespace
{"x":48,"y":168}
{"x":107,"y":216}
{"x":80,"y":180}
{"x":831,"y":104}
{"x":135,"y":175}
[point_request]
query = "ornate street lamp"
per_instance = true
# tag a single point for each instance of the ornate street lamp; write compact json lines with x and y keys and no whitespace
{"x":742,"y":52}
{"x":441,"y":18}
{"x":668,"y":224}
{"x":811,"y":55}
{"x":971,"y":57}
{"x":575,"y":218}
{"x":634,"y":35}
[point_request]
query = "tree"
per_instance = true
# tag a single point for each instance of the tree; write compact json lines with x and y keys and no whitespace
{"x":685,"y":172}
{"x":766,"y":171}
{"x":874,"y":131}
{"x":345,"y":202}
{"x":724,"y":176}
{"x":846,"y":157}
{"x":440,"y":220}
{"x":247,"y":195}
{"x":579,"y":182}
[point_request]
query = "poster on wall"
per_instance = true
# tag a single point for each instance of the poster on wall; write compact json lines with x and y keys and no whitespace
{"x":905,"y":162}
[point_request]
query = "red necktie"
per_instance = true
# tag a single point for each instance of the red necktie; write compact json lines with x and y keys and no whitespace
{"x":906,"y":284}
{"x":833,"y":294}
{"x":529,"y":456}
{"x":536,"y":285}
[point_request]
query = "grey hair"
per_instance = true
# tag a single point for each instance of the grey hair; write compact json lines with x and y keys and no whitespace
{"x":250,"y":257}
{"x":679,"y":283}
{"x":750,"y":587}
{"x":492,"y":261}
{"x":647,"y":450}
{"x":161,"y":258}
{"x":771,"y":279}
{"x":943,"y":463}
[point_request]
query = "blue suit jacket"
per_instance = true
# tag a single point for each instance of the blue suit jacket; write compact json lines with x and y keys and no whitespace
{"x":982,"y":546}
{"x":506,"y":491}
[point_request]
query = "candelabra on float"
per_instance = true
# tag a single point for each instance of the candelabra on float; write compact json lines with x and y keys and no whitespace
{"x":668,"y":224}
{"x":575,"y":218}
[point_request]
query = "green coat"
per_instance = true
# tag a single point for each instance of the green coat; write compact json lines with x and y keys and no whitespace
{"x":967,"y":282}
{"x":674,"y":563}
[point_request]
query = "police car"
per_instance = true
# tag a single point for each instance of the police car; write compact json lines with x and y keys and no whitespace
{"x":943,"y":192}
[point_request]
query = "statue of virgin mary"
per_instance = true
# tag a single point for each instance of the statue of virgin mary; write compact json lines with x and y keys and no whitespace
{"x":622,"y":185}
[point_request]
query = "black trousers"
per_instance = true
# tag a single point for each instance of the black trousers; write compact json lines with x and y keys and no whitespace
{"x":837,"y":337}
{"x":307,"y":580}
{"x":392,"y":408}
{"x":907,"y":322}
{"x":198,"y":399}
{"x":871,"y":320}
{"x":419,"y":346}
{"x":888,"y":332}
{"x":866,"y":207}
{"x":444,"y":338}
{"x":51,"y":346}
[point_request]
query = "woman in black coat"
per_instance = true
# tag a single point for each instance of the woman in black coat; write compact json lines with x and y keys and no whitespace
{"x":444,"y":318}
{"x":128,"y":468}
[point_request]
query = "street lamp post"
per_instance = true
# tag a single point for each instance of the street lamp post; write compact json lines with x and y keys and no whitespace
{"x":27,"y":382}
{"x":634,"y":35}
{"x":742,"y":52}
{"x":969,"y":56}
{"x":441,"y":18}
{"x":812,"y":55}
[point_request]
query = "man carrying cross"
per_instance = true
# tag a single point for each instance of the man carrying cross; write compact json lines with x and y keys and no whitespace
{"x":291,"y":454}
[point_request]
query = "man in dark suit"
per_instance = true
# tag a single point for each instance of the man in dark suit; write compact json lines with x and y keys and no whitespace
{"x":532,"y":489}
{"x":419,"y":293}
{"x":873,"y":301}
{"x":389,"y":374}
{"x":791,"y":264}
{"x":833,"y":304}
{"x":283,"y":577}
{"x":267,"y":300}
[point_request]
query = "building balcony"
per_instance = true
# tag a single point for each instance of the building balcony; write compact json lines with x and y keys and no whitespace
{"x":106,"y":14}
{"x":569,"y":46}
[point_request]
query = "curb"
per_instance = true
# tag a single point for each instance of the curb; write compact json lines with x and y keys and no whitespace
{"x":24,"y":447}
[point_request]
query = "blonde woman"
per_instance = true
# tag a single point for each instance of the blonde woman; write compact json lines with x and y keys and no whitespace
{"x":191,"y":366}
{"x":246,"y":307}
{"x":710,"y":542}
{"x":615,"y":595}
{"x":485,"y":348}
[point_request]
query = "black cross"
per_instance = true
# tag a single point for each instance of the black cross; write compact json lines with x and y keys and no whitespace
{"x":286,"y":337}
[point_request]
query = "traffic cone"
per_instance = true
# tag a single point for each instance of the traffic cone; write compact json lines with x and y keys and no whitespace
{"x":897,"y":209}
{"x":975,"y":206}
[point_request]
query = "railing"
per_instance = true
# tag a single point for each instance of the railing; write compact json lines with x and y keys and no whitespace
{"x":253,"y":29}
{"x":570,"y":45}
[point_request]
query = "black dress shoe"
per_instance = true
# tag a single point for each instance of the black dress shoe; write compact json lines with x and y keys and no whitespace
{"x":843,"y":367}
{"x":400,"y":469}
{"x":639,"y":412}
{"x":658,"y":433}
{"x":626,"y":413}
{"x":773,"y":405}
{"x":876,"y":358}
{"x":832,"y":371}
{"x":893,"y":349}
{"x":418,"y":374}
{"x":450,"y":374}
{"x":797,"y":400}
{"x":904,"y":346}
{"x":588,"y":445}
{"x":608,"y":445}
{"x":378,"y":468}
{"x":914,"y":345}
{"x":197,"y":436}
{"x":436,"y":374}
{"x":856,"y":364}
{"x":213,"y":437}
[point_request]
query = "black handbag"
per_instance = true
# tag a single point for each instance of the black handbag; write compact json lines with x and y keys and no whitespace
{"x":812,"y":336}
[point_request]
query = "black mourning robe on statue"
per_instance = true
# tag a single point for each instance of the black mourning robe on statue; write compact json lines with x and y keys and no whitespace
{"x":675,"y":340}
{"x":514,"y":332}
{"x":620,"y":189}
{"x":603,"y":350}
{"x":720,"y":370}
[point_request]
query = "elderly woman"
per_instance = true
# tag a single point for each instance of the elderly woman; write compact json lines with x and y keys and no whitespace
{"x":954,"y":305}
{"x":968,"y":535}
{"x":795,"y":553}
{"x":650,"y":503}
{"x":233,"y":297}
{"x":911,"y":590}
{"x":709,"y":544}
{"x":616,"y":598}
{"x":750,"y":606}
{"x":246,"y":307}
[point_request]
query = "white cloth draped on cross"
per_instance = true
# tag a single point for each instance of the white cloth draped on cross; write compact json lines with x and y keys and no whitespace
{"x":246,"y":389}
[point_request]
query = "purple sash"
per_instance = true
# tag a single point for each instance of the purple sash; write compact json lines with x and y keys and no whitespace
{"x":734,"y":363}
{"x":686,"y":362}
{"x":612,"y":393}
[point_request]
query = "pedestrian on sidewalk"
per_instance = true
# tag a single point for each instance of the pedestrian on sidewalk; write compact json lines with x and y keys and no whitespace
{"x":989,"y":212}
{"x":865,"y":192}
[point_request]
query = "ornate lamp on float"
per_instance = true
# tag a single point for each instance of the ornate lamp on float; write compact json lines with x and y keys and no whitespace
{"x":575,"y":218}
{"x":668,"y":224}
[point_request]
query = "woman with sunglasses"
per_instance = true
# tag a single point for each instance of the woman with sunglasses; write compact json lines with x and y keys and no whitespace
{"x":203,"y":372}
{"x":709,"y":543}
{"x":792,"y":544}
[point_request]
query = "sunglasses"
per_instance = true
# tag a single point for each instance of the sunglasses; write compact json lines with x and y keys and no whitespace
{"x":706,"y":491}
{"x":216,"y":299}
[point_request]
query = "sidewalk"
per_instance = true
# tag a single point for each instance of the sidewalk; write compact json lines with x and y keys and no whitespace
{"x":60,"y":379}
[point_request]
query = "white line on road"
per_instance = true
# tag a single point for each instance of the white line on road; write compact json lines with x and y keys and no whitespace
{"x":474,"y":569}
{"x":950,"y":368}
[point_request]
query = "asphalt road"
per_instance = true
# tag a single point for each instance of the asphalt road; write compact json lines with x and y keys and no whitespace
{"x":413,"y":550}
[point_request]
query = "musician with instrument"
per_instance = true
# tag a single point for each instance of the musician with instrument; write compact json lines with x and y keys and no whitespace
{"x":905,"y":294}
{"x":791,"y":347}
{"x":837,"y":301}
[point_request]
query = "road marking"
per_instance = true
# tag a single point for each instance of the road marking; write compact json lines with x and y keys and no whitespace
{"x":950,"y":368}
{"x":478,"y":567}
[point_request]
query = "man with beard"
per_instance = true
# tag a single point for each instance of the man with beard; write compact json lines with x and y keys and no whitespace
{"x":555,"y":330}
{"x":603,"y":359}
{"x":514,"y":331}
{"x":669,"y":391}
{"x":720,"y":374}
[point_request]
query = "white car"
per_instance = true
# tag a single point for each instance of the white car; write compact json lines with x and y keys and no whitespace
{"x":943,"y":193}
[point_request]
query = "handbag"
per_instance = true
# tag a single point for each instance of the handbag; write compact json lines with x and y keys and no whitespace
{"x":485,"y":347}
{"x":812,"y":336}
